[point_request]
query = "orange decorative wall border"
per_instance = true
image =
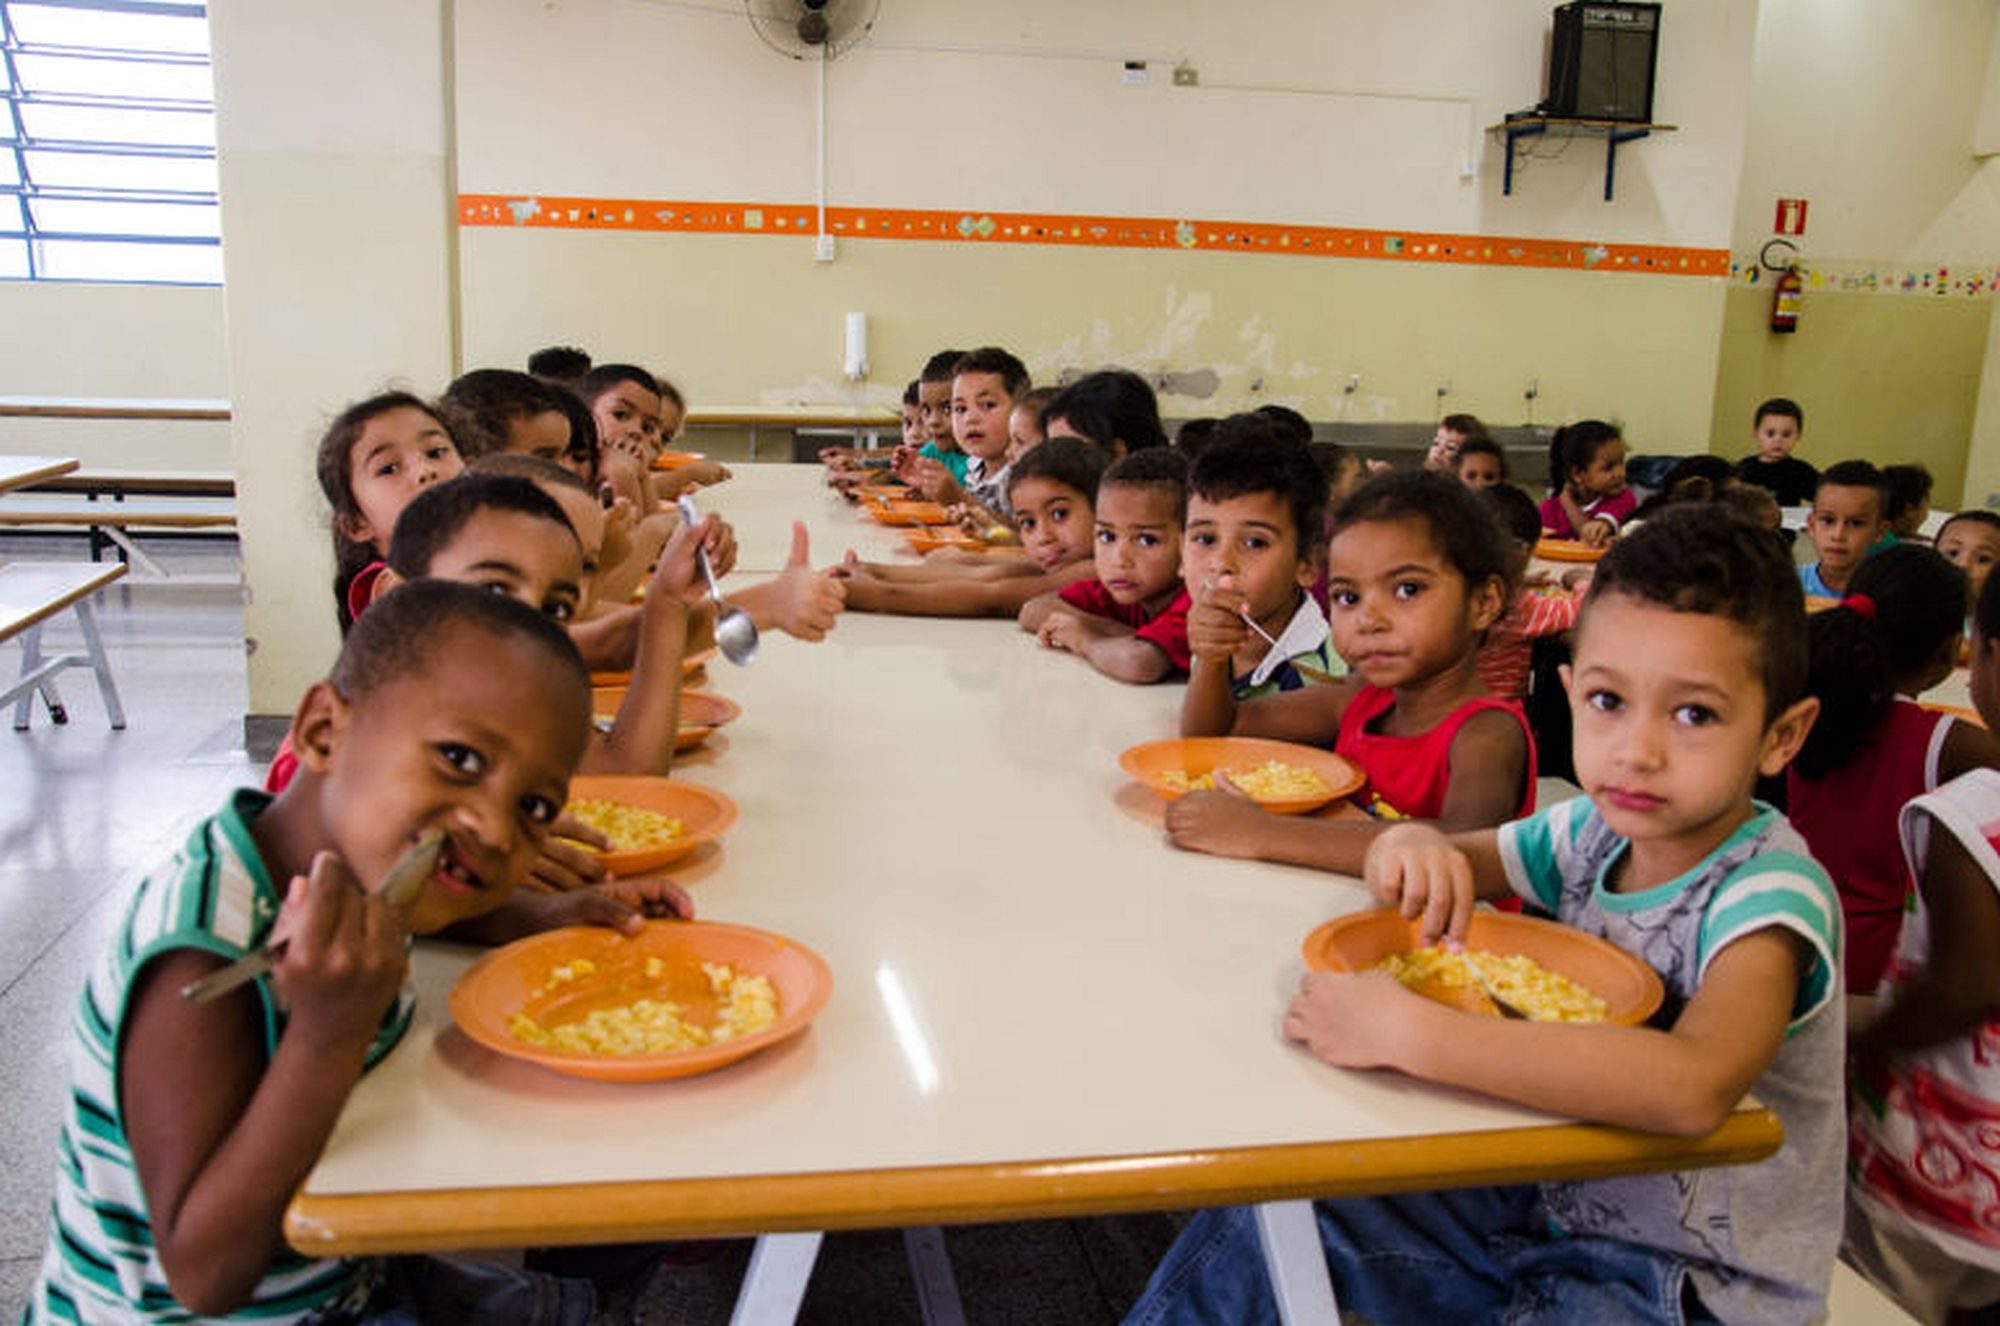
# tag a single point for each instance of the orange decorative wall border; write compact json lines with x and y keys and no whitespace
{"x":546,"y":211}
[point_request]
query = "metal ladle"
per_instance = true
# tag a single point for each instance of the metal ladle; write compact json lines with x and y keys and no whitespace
{"x":735,"y":633}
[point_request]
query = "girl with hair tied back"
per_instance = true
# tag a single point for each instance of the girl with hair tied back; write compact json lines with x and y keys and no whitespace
{"x":1895,"y":634}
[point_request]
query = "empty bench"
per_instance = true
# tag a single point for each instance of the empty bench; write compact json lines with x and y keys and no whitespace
{"x":114,"y":522}
{"x":30,"y":594}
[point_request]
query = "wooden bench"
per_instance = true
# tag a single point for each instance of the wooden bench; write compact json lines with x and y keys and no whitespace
{"x":118,"y":485}
{"x":30,"y":594}
{"x":113,"y":522}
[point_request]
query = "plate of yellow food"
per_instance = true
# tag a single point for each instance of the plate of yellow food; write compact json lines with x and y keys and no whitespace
{"x":906,"y":513}
{"x":930,"y":538}
{"x":676,"y":999}
{"x":1569,"y":550}
{"x":1281,"y":776}
{"x":650,"y":821}
{"x":1547,"y":971}
{"x":702,"y":712}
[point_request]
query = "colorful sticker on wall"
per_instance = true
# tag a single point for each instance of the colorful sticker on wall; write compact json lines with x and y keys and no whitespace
{"x":1939,"y":281}
{"x":783,"y":219}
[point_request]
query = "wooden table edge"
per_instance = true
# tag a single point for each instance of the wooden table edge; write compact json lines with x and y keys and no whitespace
{"x":53,"y":467}
{"x":447,"y":1220}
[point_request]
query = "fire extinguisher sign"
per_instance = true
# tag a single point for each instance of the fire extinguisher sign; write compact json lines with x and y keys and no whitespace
{"x":1791,"y":217}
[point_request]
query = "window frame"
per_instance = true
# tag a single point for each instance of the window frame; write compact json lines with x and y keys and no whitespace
{"x":18,"y":222}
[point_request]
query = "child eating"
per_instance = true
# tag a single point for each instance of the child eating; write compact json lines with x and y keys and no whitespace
{"x":190,"y":1125}
{"x":1690,"y":665}
{"x":1130,"y":622}
{"x":1249,"y":555}
{"x":1588,"y":499}
{"x":1848,"y":516}
{"x":1417,"y":573}
{"x":1051,"y":489}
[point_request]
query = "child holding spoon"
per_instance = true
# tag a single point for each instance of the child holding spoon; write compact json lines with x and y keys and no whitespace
{"x":1250,"y":554}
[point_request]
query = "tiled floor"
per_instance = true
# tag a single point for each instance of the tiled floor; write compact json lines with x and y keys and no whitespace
{"x":87,"y":811}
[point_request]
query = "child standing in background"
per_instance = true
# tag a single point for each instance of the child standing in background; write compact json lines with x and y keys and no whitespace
{"x":1778,"y":425}
{"x":1921,"y":1150}
{"x":376,"y":456}
{"x":1895,"y":634}
{"x":1690,"y":662}
{"x":1536,"y":611}
{"x":1249,"y":555}
{"x":1588,"y":499}
{"x":1970,"y":541}
{"x":1846,"y":521}
{"x":1130,"y":622}
{"x":1418,"y":574}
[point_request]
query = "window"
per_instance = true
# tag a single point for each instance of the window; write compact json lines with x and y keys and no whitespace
{"x":107,"y":149}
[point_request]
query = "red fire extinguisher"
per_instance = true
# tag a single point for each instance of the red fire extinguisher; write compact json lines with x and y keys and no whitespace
{"x":1787,"y":290}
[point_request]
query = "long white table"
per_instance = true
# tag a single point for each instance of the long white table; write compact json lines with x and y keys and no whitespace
{"x":1040,"y":1008}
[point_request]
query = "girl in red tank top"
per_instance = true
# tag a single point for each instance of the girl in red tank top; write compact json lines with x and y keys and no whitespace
{"x":1417,"y":573}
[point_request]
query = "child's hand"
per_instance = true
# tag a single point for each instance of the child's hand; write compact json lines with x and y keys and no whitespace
{"x":934,"y":480}
{"x":1215,"y":624}
{"x":676,"y":574}
{"x":561,"y":866}
{"x":342,"y":958}
{"x":618,"y":904}
{"x":808,"y":603}
{"x":1064,"y":631}
{"x":1223,"y":822}
{"x":1417,"y":870}
{"x":1596,"y":532}
{"x":1350,"y":1019}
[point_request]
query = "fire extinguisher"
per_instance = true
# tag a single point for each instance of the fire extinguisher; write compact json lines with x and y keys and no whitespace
{"x":1787,"y":289}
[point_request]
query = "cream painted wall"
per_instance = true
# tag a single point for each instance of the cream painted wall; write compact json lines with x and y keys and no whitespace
{"x":115,"y":340}
{"x":1890,"y":173}
{"x":552,"y":99}
{"x":337,"y":212}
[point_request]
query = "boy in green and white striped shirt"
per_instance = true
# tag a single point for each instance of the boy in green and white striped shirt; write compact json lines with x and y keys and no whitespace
{"x":189,"y":1126}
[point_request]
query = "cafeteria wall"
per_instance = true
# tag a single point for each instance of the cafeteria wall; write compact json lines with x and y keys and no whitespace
{"x":1902,"y":242}
{"x":1335,"y":114}
{"x":116,"y":340}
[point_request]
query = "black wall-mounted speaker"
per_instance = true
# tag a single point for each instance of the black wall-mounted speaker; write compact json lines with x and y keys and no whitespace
{"x":1602,"y":58}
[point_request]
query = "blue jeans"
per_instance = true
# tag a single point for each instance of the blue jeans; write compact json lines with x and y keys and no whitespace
{"x":430,"y":1291}
{"x":1472,"y":1255}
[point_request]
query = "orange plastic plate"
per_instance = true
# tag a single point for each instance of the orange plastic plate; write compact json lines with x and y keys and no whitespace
{"x":1359,"y":940}
{"x":1195,"y":756}
{"x":515,"y":979}
{"x":1567,"y":550}
{"x":701,"y":713}
{"x":704,"y":814}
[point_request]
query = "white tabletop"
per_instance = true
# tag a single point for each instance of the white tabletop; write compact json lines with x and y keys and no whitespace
{"x":762,"y":500}
{"x":1026,"y":976}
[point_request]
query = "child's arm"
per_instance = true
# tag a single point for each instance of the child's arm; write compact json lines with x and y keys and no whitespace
{"x":1967,"y":746}
{"x":221,"y":1137}
{"x":1683,"y":1081}
{"x":1958,"y":988}
{"x":1113,"y":648}
{"x":1038,"y":610}
{"x":624,"y":904}
{"x":801,"y":602}
{"x":951,"y":596}
{"x":641,"y":739}
{"x":1488,"y":768}
{"x":1216,"y":630}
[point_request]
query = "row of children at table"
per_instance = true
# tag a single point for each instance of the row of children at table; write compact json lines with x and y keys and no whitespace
{"x":1695,"y":678}
{"x":451,"y":709}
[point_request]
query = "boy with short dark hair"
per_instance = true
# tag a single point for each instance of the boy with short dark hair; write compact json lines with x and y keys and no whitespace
{"x":1778,"y":425}
{"x":1256,"y":504}
{"x":492,"y":410}
{"x":1849,"y":514}
{"x":934,"y":413}
{"x":1130,"y":622}
{"x":1480,"y":463}
{"x":1687,"y":686}
{"x":985,"y":384}
{"x":451,"y":711}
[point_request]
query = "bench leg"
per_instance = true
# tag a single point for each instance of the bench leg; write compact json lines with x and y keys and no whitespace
{"x":775,"y":1285}
{"x":1296,"y":1263}
{"x":31,"y":662}
{"x":930,"y":1267}
{"x":100,"y":663}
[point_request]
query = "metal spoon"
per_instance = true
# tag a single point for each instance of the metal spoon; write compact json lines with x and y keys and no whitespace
{"x":735,"y":633}
{"x":406,"y":879}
